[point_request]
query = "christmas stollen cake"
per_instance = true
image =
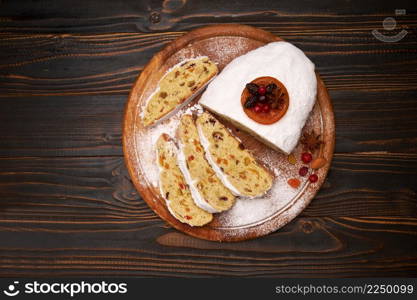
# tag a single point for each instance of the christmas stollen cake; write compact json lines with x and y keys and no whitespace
{"x":207,"y":190}
{"x":234,"y":165}
{"x":177,"y":86}
{"x":173,"y":187}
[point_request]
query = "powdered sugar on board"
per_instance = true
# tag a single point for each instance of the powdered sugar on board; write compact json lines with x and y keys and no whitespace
{"x":246,"y":213}
{"x":249,"y":211}
{"x":146,"y":140}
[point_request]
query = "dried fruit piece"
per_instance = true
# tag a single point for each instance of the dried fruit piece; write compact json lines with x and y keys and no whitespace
{"x":262,"y":90}
{"x":262,"y":98}
{"x":306,"y":157}
{"x":217,"y":135}
{"x":163,"y":95}
{"x":252,"y":88}
{"x":294,"y":182}
{"x":313,"y":178}
{"x":291,"y":159}
{"x":318,"y":163}
{"x":270,"y":88}
{"x":303,"y":171}
{"x":266,"y":108}
{"x":250,"y":102}
{"x":247,"y":161}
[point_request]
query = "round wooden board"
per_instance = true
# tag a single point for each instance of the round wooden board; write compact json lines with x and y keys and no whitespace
{"x":245,"y":220}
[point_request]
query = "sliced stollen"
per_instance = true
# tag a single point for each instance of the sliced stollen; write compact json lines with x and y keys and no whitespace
{"x":206,"y":188}
{"x":177,"y":86}
{"x":235,"y":166}
{"x":173,"y":187}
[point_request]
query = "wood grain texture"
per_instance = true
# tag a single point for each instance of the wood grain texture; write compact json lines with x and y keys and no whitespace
{"x":324,"y":247}
{"x":66,"y":206}
{"x":99,"y":188}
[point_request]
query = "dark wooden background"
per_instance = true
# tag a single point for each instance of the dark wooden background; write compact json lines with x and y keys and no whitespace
{"x":67,"y":206}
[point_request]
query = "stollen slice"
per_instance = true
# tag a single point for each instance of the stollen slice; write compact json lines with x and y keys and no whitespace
{"x":207,"y":190}
{"x":177,"y":87}
{"x":173,"y":187}
{"x":235,"y":166}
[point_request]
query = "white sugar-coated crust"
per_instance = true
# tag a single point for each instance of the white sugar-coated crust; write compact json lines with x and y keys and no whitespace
{"x":198,"y":199}
{"x":223,"y":177}
{"x":172,"y":184}
{"x":282,"y":61}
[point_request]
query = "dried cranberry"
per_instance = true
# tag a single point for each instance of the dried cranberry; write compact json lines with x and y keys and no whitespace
{"x":306,"y":157}
{"x":257,"y":108}
{"x":250,"y":101}
{"x":261,"y":90}
{"x":252,"y":88}
{"x":313,"y":178}
{"x":266,"y":108}
{"x":303,"y":171}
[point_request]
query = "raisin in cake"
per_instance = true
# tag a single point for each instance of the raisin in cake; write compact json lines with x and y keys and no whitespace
{"x":179,"y":84}
{"x":174,"y":188}
{"x":236,"y":167}
{"x":208,"y":191}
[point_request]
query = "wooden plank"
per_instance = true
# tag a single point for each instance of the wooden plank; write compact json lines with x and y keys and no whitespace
{"x":73,"y":64}
{"x":368,"y":184}
{"x":61,"y":126}
{"x":365,"y":90}
{"x":307,"y":247}
{"x":68,"y":207}
{"x":108,"y":64}
{"x":133,"y":16}
{"x":72,"y":192}
{"x":91,"y":125}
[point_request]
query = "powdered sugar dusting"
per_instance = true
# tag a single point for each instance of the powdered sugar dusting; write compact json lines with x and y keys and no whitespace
{"x":247,"y":211}
{"x":246,"y":214}
{"x":146,"y":141}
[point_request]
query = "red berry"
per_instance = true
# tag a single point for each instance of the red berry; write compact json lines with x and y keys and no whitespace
{"x":266,"y":108}
{"x":306,"y":157}
{"x":313,"y":178}
{"x":257,"y":108}
{"x":261,"y":90}
{"x":303,"y":171}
